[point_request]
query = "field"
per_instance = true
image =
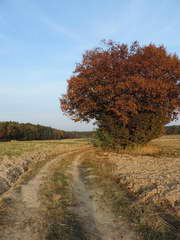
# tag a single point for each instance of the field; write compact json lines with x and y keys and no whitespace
{"x":154,"y":172}
{"x":18,"y":148}
{"x":67,"y":189}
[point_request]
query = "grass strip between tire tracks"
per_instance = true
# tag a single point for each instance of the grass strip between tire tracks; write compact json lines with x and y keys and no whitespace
{"x":57,"y":199}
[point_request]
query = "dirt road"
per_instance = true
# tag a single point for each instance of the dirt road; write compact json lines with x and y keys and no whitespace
{"x":96,"y":217}
{"x":25,"y":214}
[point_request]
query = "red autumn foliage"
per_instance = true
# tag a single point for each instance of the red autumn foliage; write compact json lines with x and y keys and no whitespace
{"x":121,"y":82}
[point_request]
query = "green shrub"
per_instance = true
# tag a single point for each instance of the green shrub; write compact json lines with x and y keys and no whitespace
{"x":139,"y":130}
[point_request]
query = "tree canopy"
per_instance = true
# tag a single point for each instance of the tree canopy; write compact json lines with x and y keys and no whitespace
{"x":130,"y":91}
{"x":28,"y":131}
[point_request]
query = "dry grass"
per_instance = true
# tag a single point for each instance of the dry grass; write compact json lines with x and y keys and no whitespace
{"x":18,"y":148}
{"x":168,"y":145}
{"x":149,"y":149}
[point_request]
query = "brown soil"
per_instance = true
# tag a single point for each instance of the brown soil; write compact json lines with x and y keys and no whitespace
{"x":154,"y":179}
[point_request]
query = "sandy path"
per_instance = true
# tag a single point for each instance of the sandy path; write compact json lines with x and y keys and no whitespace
{"x":96,"y":218}
{"x":24,"y":220}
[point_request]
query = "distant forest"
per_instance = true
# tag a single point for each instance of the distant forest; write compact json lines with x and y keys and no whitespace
{"x":172,"y":129}
{"x":27,"y":131}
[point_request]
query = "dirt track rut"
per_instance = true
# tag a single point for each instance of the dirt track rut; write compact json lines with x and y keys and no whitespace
{"x":96,"y":218}
{"x":25,"y":216}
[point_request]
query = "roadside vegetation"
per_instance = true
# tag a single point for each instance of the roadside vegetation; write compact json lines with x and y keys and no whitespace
{"x":167,"y":145}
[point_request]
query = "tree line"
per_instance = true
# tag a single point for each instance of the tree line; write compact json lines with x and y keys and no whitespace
{"x":172,"y":130}
{"x":77,"y":134}
{"x":27,"y":131}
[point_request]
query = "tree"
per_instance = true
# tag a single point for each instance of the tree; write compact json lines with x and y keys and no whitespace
{"x":131,"y":92}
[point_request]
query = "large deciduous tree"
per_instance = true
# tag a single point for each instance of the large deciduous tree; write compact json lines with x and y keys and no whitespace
{"x":131,"y":92}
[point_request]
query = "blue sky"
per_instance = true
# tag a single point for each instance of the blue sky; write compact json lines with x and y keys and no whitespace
{"x":41,"y":40}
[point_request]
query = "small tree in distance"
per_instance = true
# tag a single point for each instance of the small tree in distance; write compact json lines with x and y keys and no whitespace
{"x":131,"y":92}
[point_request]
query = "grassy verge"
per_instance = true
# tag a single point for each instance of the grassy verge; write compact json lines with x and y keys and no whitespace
{"x":56,"y":197}
{"x":152,"y":222}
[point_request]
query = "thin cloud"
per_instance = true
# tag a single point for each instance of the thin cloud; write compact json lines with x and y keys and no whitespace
{"x":58,"y":28}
